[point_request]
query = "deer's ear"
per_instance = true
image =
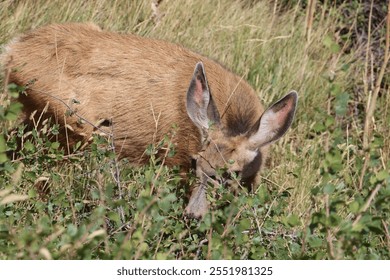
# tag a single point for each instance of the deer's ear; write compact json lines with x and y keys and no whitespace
{"x":275,"y":121}
{"x":200,"y":106}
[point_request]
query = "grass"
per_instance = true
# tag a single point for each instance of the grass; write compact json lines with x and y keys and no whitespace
{"x":324,"y":195}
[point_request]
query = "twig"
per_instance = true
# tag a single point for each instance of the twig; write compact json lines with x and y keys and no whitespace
{"x":387,"y":234}
{"x":116,"y":174}
{"x":6,"y":81}
{"x":156,"y":121}
{"x":271,"y":182}
{"x":199,"y":250}
{"x":159,"y":170}
{"x":132,"y":228}
{"x":371,"y":103}
{"x":73,"y":112}
{"x":227,"y":104}
{"x":66,"y":133}
{"x":156,"y":15}
{"x":281,"y":189}
{"x":225,"y":231}
{"x":115,"y":171}
{"x":309,"y":18}
{"x":270,"y":39}
{"x":328,"y":232}
{"x":256,"y":220}
{"x":158,"y":244}
{"x":102,"y":202}
{"x":367,"y":204}
{"x":210,"y":238}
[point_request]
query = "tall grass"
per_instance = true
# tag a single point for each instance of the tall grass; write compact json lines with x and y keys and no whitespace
{"x":311,"y":202}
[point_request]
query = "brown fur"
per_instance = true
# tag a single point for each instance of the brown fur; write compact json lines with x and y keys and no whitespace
{"x":140,"y":86}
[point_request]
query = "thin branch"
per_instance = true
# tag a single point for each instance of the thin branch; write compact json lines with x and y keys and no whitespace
{"x":116,"y":174}
{"x":387,"y":234}
{"x":227,"y":104}
{"x":199,"y":250}
{"x":73,"y":112}
{"x":310,"y":18}
{"x":367,"y":204}
{"x":328,"y":232}
{"x":369,"y":119}
{"x":6,"y":81}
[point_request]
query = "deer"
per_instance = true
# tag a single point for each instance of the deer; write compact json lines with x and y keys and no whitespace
{"x":140,"y":88}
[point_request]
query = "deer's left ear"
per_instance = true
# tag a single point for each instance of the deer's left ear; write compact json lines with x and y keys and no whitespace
{"x":200,"y":105}
{"x":275,"y":121}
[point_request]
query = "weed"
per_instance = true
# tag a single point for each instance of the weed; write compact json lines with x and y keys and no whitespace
{"x":324,"y":195}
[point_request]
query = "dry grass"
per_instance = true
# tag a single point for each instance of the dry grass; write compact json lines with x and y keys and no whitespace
{"x":275,"y":51}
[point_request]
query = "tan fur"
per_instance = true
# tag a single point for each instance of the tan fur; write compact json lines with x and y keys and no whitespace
{"x":139,"y":84}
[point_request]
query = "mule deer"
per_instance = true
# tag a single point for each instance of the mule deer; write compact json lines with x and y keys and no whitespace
{"x":140,"y":87}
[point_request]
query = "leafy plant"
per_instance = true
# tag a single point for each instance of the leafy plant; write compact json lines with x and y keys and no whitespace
{"x":326,"y":189}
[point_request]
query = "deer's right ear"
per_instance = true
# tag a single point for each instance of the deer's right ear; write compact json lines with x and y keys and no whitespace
{"x":200,"y":105}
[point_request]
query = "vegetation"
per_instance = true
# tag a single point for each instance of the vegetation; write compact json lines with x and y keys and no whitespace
{"x":326,"y":190}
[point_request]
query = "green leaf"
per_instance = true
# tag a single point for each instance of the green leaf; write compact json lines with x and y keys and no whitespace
{"x":382,"y":175}
{"x":315,"y":190}
{"x":335,"y":89}
{"x":354,"y":207}
{"x":329,"y":121}
{"x":166,"y":203}
{"x":262,"y":194}
{"x":358,"y":227}
{"x":162,"y":256}
{"x":13,"y":111}
{"x":114,"y":216}
{"x":319,"y":127}
{"x":341,"y":104}
{"x":3,"y":147}
{"x":28,"y":146}
{"x":55,"y":145}
{"x":334,"y":160}
{"x":329,"y":189}
{"x":315,"y":242}
{"x":14,"y":90}
{"x":293,"y":220}
{"x":245,"y":224}
{"x":72,"y":230}
{"x":331,"y":44}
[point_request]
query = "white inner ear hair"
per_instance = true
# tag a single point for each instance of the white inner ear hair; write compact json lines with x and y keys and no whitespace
{"x":267,"y":129}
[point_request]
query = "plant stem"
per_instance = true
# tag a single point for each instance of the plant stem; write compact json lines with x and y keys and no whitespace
{"x":371,"y":102}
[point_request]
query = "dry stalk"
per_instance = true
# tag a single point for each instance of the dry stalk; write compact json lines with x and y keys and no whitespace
{"x":102,"y":202}
{"x":328,"y":232}
{"x":199,"y":250}
{"x":210,"y":239}
{"x":133,"y":227}
{"x":310,"y":18}
{"x":73,"y":112}
{"x":115,"y":166}
{"x":158,"y":244}
{"x":115,"y":170}
{"x":267,"y":215}
{"x":387,"y":234}
{"x":116,"y":174}
{"x":6,"y":81}
{"x":372,"y":98}
{"x":156,"y":14}
{"x":367,"y":204}
{"x":230,"y":222}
